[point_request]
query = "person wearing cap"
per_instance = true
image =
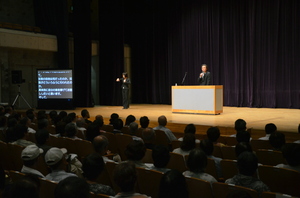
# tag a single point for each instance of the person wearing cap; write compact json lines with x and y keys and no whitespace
{"x":30,"y":155}
{"x":55,"y":159}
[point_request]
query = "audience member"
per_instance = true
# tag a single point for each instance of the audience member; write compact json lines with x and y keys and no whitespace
{"x":71,"y":130}
{"x":60,"y":129}
{"x":213,"y":134}
{"x":133,"y":127}
{"x":243,"y":136}
{"x":72,"y":187}
{"x":173,"y":185}
{"x":21,"y":135}
{"x":10,"y":133}
{"x":135,"y":151}
{"x":93,"y":166}
{"x":161,"y":158}
{"x":99,"y":117}
{"x":56,"y":160}
{"x":86,"y":115}
{"x":291,"y":153}
{"x":196,"y":163}
{"x":41,"y":114}
{"x":162,"y":121}
{"x":187,"y":144}
{"x":80,"y":123}
{"x":269,"y":128}
{"x":8,"y":111}
{"x":42,"y":123}
{"x":27,"y":122}
{"x":125,"y":177}
{"x":242,"y":147}
{"x":208,"y":147}
{"x":148,"y":136}
{"x":92,"y":131}
{"x":113,"y":118}
{"x":100,"y":144}
{"x":144,"y":122}
{"x":129,"y":120}
{"x":71,"y":118}
{"x":52,"y":115}
{"x":63,"y":114}
{"x":30,"y":155}
{"x":42,"y":137}
{"x":239,"y":125}
{"x":118,"y":125}
{"x":190,"y":128}
{"x":277,"y":140}
{"x":26,"y":187}
{"x":247,"y":165}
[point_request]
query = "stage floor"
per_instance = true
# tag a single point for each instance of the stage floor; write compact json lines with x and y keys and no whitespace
{"x":285,"y":119}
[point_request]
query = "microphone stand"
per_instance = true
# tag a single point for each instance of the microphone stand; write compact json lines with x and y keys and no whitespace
{"x":183,"y":78}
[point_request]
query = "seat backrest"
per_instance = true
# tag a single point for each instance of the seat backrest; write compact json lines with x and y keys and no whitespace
{"x":228,"y":152}
{"x":31,"y":137}
{"x":280,"y":180}
{"x":112,"y":142}
{"x":270,"y":157}
{"x":2,"y":136}
{"x":275,"y":195}
{"x":229,"y":168}
{"x":230,"y":141}
{"x":260,"y":144}
{"x":6,"y":161}
{"x":122,"y":141}
{"x":148,"y":181}
{"x":81,"y":134}
{"x":221,"y":190}
{"x":175,"y":144}
{"x":110,"y":166}
{"x":84,"y":148}
{"x":198,"y":188}
{"x":107,"y":128}
{"x":70,"y":145}
{"x":93,"y":195}
{"x":15,"y":175}
{"x":217,"y":151}
{"x":211,"y":168}
{"x":125,"y":130}
{"x":161,"y":138}
{"x":148,"y":157}
{"x":177,"y":161}
{"x":47,"y":188}
{"x":15,"y":155}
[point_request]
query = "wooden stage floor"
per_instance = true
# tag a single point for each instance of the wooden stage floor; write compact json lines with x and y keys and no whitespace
{"x":285,"y":119}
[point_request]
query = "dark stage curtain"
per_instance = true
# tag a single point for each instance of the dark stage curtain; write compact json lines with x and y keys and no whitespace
{"x":251,"y":47}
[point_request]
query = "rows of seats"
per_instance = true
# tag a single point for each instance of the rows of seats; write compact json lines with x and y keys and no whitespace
{"x":26,"y":28}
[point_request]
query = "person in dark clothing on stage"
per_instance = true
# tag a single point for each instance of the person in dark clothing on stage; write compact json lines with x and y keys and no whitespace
{"x":204,"y":76}
{"x":125,"y":89}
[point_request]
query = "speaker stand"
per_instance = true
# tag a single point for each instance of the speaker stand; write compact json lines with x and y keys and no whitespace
{"x":17,"y":97}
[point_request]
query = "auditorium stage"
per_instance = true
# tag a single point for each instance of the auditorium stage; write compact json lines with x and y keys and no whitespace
{"x":285,"y":119}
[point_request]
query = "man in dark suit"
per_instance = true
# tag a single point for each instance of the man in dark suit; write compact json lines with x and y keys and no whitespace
{"x":204,"y":77}
{"x":125,"y":89}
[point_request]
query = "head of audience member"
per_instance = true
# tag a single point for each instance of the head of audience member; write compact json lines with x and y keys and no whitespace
{"x":270,"y":128}
{"x":52,"y":115}
{"x":41,"y":114}
{"x":243,"y":136}
{"x":148,"y":135}
{"x":173,"y":185}
{"x":160,"y":156}
{"x":242,"y":147}
{"x":10,"y":131}
{"x":30,"y":155}
{"x":26,"y":187}
{"x":15,"y":115}
{"x":20,"y":131}
{"x":63,"y":114}
{"x":72,"y":187}
{"x":71,"y":117}
{"x":125,"y":176}
{"x":98,"y":122}
{"x":56,"y":119}
{"x":190,"y":128}
{"x":25,"y":121}
{"x":247,"y":163}
{"x":135,"y":150}
{"x":133,"y":127}
{"x":238,"y":194}
{"x":207,"y":146}
{"x":197,"y":161}
{"x":113,"y":118}
{"x":162,"y":120}
{"x":43,"y":123}
{"x":92,"y":166}
{"x":213,"y":134}
{"x":118,"y":124}
{"x":60,"y":128}
{"x":80,"y":122}
{"x":144,"y":122}
{"x":188,"y":143}
{"x":71,"y":130}
{"x":31,"y":116}
{"x":29,"y":111}
{"x":8,"y":110}
{"x":291,"y":153}
{"x":100,"y":144}
{"x":277,"y":140}
{"x":85,"y":114}
{"x":129,"y":120}
{"x":99,"y":117}
{"x":240,"y":125}
{"x":55,"y":158}
{"x":92,"y":131}
{"x":42,"y":136}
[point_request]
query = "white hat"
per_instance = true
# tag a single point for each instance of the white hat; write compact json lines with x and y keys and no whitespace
{"x":54,"y":155}
{"x":31,"y":152}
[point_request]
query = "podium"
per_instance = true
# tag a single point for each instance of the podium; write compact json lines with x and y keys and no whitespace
{"x":206,"y":99}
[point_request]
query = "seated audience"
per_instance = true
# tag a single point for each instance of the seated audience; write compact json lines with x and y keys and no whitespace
{"x":291,"y":153}
{"x":21,"y":132}
{"x":86,"y":115}
{"x":190,"y":128}
{"x":100,"y":144}
{"x":269,"y":128}
{"x":42,"y":123}
{"x":144,"y":122}
{"x":173,"y":185}
{"x":148,"y":136}
{"x":162,"y":121}
{"x":113,"y":118}
{"x":242,"y":147}
{"x":208,"y":147}
{"x":99,"y":117}
{"x":92,"y":131}
{"x":27,"y":122}
{"x":133,"y":127}
{"x":239,"y":125}
{"x":56,"y":160}
{"x":42,"y":137}
{"x":135,"y":152}
{"x":30,"y":155}
{"x":161,"y":158}
{"x":196,"y":163}
{"x":60,"y":129}
{"x":71,"y":130}
{"x":80,"y":123}
{"x":129,"y":120}
{"x":125,"y":177}
{"x":26,"y":187}
{"x":118,"y":125}
{"x":187,"y":144}
{"x":243,"y":136}
{"x":72,"y":187}
{"x":93,"y":166}
{"x":247,"y":165}
{"x":8,"y":111}
{"x":277,"y":140}
{"x":63,"y":115}
{"x":213,"y":134}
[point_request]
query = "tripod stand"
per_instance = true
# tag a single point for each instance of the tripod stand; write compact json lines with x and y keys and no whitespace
{"x":20,"y":95}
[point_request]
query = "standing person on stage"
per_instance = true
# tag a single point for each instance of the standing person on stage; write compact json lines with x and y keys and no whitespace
{"x":125,"y":89}
{"x":204,"y":77}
